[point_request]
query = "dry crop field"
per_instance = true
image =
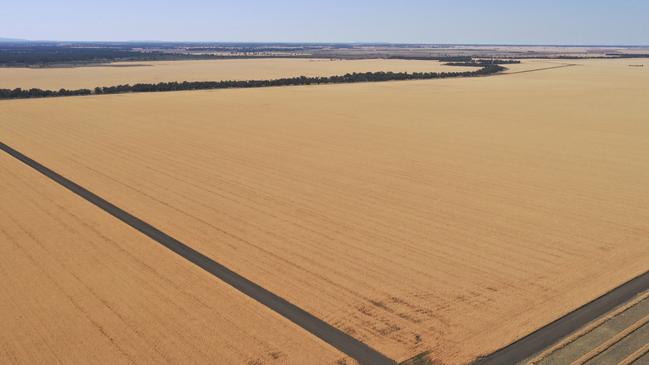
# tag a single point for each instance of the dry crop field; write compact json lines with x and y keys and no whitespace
{"x":205,"y":70}
{"x":450,"y":216}
{"x":79,"y":287}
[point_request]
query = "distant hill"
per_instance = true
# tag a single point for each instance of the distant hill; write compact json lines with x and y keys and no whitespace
{"x":12,"y":40}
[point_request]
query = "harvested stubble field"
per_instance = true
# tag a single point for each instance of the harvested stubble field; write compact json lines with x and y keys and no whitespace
{"x":205,"y":70}
{"x":451,"y":216}
{"x":79,"y":287}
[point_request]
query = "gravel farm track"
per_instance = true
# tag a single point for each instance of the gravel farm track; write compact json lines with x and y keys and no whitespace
{"x":564,"y":326}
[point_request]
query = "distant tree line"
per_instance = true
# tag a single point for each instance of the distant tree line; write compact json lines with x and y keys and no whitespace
{"x":482,"y":63}
{"x":608,"y":56}
{"x":44,"y":54}
{"x":433,"y":58}
{"x":252,"y":49}
{"x":19,"y":93}
{"x":291,"y":81}
{"x":14,"y":56}
{"x":51,"y":55}
{"x":628,"y":55}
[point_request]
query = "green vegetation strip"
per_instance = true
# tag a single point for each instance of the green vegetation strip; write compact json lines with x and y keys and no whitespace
{"x":19,"y":93}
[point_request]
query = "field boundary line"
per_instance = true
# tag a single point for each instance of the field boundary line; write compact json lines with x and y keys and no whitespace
{"x":345,"y":343}
{"x":546,"y":336}
{"x":535,"y":69}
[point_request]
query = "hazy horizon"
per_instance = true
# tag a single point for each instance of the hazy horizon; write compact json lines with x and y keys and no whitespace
{"x":500,"y":22}
{"x":11,"y":39}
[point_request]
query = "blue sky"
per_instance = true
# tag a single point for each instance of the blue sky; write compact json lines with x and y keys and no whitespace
{"x":416,"y":21}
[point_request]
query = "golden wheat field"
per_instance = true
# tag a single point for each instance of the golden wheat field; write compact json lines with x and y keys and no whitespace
{"x":80,"y":287}
{"x":452,"y":216}
{"x":204,"y":70}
